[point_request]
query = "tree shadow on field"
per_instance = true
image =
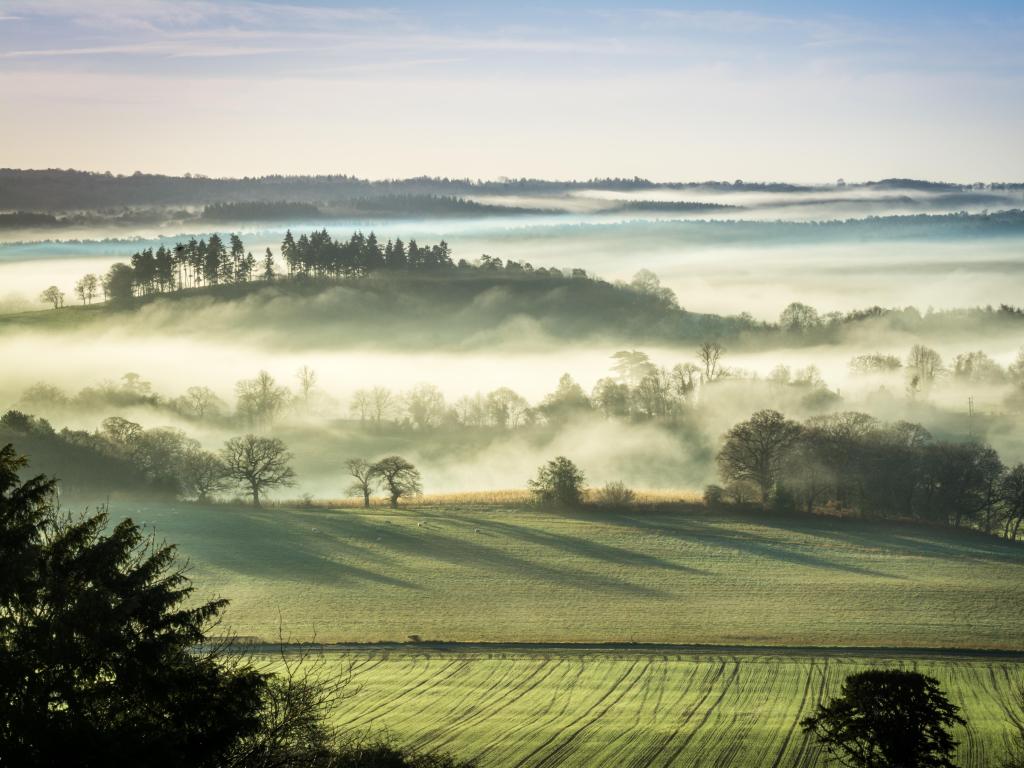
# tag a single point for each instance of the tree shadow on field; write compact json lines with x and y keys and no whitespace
{"x":576,"y":545}
{"x":907,"y":539}
{"x":271,"y":545}
{"x":696,"y":531}
{"x":457,"y":548}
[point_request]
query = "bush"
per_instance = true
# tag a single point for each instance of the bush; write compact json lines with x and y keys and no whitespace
{"x":383,"y":754}
{"x":615,"y":494}
{"x":740,"y":492}
{"x":714,"y":496}
{"x":783,"y":502}
{"x":559,"y":483}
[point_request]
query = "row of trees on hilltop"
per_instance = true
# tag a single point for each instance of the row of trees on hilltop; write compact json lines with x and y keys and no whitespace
{"x":207,"y":262}
{"x":852,"y":462}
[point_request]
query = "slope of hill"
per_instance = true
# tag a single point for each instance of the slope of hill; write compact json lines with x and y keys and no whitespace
{"x":679,"y":575}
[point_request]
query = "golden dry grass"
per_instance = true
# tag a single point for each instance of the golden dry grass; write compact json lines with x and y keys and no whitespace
{"x":501,"y":497}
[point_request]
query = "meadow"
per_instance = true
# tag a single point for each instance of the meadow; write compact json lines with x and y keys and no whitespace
{"x":589,"y":708}
{"x":665,"y":573}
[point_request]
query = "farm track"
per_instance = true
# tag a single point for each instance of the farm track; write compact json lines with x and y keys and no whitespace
{"x":625,"y":708}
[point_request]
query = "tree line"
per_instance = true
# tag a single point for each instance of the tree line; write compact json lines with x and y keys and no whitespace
{"x":162,"y":461}
{"x":637,"y":390}
{"x":209,"y":262}
{"x":853,"y":463}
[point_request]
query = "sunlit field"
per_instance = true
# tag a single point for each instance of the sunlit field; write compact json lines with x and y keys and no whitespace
{"x":640,"y":708}
{"x":509,"y":573}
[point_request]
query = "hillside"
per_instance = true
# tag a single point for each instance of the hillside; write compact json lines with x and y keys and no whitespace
{"x":408,"y":309}
{"x":680,"y":575}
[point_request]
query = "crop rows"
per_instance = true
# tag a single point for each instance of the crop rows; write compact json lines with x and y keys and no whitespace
{"x":540,"y":710}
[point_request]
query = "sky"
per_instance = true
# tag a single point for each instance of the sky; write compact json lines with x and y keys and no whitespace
{"x":799,"y":91}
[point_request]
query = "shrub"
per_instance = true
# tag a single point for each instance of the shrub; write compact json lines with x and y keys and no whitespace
{"x":558,"y":483}
{"x":714,"y":496}
{"x":615,"y":494}
{"x":383,"y":754}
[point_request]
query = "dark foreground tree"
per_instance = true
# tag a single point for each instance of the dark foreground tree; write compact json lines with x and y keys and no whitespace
{"x":888,"y":719}
{"x":97,"y":631}
{"x":107,"y":661}
{"x":399,"y":477}
{"x":558,"y":483}
{"x":257,"y":463}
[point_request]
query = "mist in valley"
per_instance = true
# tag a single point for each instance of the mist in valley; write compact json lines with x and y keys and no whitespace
{"x":733,"y":270}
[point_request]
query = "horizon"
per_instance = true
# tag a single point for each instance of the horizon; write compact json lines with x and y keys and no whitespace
{"x":741,"y":180}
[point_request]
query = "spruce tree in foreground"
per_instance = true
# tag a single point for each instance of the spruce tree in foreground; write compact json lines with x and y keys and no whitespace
{"x":97,"y":632}
{"x":106,"y":660}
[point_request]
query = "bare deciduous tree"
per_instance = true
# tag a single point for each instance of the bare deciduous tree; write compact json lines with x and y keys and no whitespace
{"x":257,"y":463}
{"x":364,"y":480}
{"x":710,"y":355}
{"x":399,"y":477}
{"x":53,"y":295}
{"x":307,"y":381}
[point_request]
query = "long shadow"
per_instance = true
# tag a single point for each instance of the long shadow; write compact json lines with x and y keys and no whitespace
{"x":253,"y":543}
{"x":429,"y":542}
{"x":695,"y":531}
{"x":576,"y":545}
{"x":907,"y":539}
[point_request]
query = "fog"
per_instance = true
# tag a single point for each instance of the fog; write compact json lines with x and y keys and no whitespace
{"x":713,"y":268}
{"x":646,"y":455}
{"x":353,"y":343}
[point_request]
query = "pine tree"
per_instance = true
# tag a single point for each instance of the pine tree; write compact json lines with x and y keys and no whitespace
{"x":268,"y":266}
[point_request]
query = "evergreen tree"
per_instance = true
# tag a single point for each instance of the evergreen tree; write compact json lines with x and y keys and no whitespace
{"x":98,"y":635}
{"x":234,"y":269}
{"x":213,"y":257}
{"x":268,"y":266}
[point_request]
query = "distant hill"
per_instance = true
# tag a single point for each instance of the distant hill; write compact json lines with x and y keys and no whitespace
{"x":56,"y":190}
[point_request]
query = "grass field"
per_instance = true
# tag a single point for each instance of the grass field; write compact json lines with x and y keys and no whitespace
{"x":591,"y":709}
{"x":513,"y":574}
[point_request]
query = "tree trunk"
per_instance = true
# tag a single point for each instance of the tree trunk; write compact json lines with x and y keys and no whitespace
{"x":366,"y":498}
{"x":394,"y":501}
{"x":256,"y":496}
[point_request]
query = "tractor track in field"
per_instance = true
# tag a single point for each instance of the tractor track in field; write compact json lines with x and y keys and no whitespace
{"x":710,"y":677}
{"x":542,"y":716}
{"x":708,"y":712}
{"x":586,"y":719}
{"x":426,"y":684}
{"x":791,"y":731}
{"x":457,"y":707}
{"x":486,"y":707}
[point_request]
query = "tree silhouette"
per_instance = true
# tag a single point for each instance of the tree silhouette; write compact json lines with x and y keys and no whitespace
{"x":257,"y":463}
{"x":99,"y":639}
{"x":398,"y":476}
{"x":887,"y":719}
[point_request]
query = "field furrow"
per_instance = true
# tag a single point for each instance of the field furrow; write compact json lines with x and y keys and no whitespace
{"x":590,"y":709}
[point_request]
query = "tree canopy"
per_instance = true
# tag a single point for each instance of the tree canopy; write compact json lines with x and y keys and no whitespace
{"x":887,"y":718}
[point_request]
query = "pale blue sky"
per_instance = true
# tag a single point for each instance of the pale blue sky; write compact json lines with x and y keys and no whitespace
{"x":796,"y":90}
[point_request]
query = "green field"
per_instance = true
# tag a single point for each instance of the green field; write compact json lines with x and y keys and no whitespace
{"x":641,"y":709}
{"x":682,"y":575}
